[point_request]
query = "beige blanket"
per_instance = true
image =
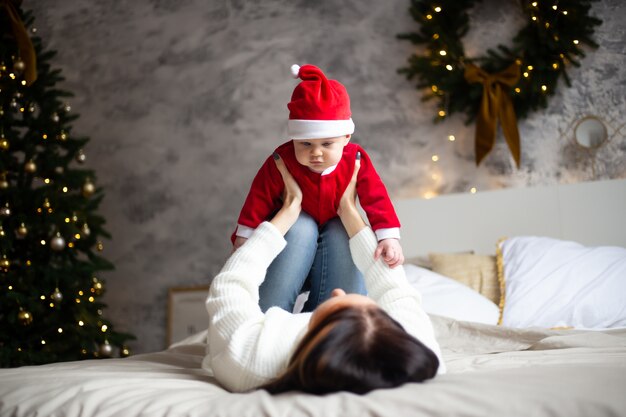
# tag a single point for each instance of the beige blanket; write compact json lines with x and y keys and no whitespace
{"x":492,"y":371}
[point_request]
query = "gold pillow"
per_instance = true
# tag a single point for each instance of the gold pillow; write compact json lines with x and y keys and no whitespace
{"x":476,"y":271}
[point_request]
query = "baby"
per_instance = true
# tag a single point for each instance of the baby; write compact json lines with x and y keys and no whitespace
{"x":321,"y":159}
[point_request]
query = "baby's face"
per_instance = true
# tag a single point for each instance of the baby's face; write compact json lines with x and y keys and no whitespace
{"x":319,"y":154}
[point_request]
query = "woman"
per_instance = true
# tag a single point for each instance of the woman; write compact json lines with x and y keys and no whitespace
{"x":349,"y":343}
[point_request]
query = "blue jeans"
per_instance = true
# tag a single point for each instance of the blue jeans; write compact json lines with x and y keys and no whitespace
{"x":315,"y":258}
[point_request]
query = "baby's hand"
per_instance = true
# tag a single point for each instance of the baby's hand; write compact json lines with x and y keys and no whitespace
{"x":391,"y":252}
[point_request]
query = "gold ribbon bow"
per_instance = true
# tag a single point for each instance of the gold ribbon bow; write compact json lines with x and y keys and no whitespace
{"x":496,"y":104}
{"x":24,"y":45}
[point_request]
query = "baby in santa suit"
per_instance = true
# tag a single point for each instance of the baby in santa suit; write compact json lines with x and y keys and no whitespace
{"x":321,"y":158}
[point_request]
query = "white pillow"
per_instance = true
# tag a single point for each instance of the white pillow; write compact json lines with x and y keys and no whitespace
{"x":444,"y":296}
{"x":555,"y":283}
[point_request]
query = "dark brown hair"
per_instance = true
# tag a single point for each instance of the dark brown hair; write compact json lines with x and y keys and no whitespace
{"x":356,"y":349}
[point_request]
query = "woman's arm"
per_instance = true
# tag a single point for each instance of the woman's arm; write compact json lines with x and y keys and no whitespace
{"x":392,"y":292}
{"x":237,"y":284}
{"x":292,"y":199}
{"x":236,"y":322}
{"x":388,"y":287}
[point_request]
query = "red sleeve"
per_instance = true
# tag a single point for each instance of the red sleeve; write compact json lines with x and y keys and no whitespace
{"x":373,"y":196}
{"x":263,"y":198}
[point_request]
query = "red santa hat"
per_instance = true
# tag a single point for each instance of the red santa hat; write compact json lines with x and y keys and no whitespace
{"x":319,"y":107}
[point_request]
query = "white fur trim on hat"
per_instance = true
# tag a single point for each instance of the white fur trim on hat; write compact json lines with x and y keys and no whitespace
{"x":318,"y":129}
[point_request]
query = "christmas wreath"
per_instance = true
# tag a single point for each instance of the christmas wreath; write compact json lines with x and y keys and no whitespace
{"x":508,"y":82}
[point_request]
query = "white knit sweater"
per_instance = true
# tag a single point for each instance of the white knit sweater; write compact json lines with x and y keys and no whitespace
{"x":247,"y":348}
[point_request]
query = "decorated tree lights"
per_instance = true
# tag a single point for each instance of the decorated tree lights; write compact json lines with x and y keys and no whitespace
{"x":50,"y":232}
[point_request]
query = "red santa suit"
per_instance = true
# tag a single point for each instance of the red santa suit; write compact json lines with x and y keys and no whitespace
{"x":321,"y":192}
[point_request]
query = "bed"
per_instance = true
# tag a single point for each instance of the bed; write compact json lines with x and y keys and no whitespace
{"x":567,"y":363}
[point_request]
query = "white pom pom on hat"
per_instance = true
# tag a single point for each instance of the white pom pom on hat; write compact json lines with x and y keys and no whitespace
{"x":295,"y":70}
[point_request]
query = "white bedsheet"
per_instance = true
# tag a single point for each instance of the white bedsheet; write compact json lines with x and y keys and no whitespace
{"x":492,"y":371}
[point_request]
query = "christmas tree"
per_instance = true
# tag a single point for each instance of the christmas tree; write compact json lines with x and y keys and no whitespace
{"x":50,"y":232}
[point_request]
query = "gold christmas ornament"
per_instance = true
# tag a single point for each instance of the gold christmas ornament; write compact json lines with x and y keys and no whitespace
{"x":57,"y":243}
{"x":4,"y":144}
{"x":25,"y":317}
{"x":62,"y":135}
{"x":100,"y":246}
{"x":30,"y":167}
{"x":88,"y":188}
{"x":5,"y":211}
{"x":105,"y":349}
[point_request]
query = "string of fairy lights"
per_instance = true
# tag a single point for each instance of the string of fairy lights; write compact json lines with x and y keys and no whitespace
{"x":549,"y":42}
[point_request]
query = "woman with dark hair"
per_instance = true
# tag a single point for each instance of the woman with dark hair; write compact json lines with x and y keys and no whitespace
{"x":350,"y":342}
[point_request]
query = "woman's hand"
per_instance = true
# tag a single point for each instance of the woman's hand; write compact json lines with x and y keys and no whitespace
{"x":347,"y":211}
{"x":292,"y":194}
{"x":348,"y":199}
{"x":239,"y":241}
{"x":292,"y":199}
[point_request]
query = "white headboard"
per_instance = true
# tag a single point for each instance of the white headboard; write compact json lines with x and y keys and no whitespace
{"x":592,"y":213}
